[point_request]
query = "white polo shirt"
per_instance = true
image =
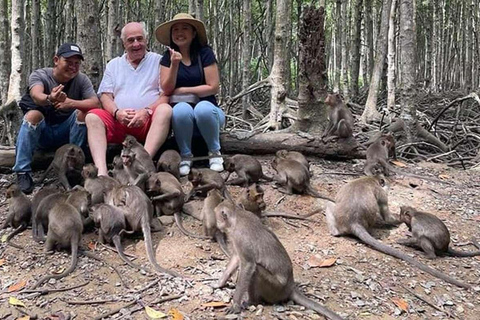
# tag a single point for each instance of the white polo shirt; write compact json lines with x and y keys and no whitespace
{"x":132,"y":88}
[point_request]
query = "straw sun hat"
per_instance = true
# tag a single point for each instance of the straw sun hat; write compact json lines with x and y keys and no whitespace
{"x":162,"y":32}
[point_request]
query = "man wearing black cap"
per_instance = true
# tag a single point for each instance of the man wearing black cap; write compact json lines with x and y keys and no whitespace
{"x":55,"y":109}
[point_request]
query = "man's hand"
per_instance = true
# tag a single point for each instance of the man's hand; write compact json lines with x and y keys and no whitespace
{"x":140,"y":119}
{"x":124,"y":116}
{"x":65,"y":105}
{"x":57,"y":95}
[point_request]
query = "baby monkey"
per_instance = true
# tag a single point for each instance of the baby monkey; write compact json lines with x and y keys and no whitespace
{"x":19,"y":212}
{"x":429,"y":233}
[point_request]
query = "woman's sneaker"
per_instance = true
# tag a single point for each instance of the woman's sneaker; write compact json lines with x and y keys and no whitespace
{"x":216,"y":164}
{"x":185,"y":167}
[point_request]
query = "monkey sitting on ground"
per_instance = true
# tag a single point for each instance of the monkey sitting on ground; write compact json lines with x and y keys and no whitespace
{"x":265,"y":269}
{"x":204,"y":180}
{"x":294,"y":155}
{"x":111,"y":225}
{"x":248,"y":169}
{"x":293,"y":176}
{"x":340,"y":119}
{"x":355,"y":212}
{"x":118,"y":171}
{"x":429,"y":233}
{"x":141,"y":154}
{"x":67,"y":162}
{"x":134,"y":168}
{"x":19,"y":212}
{"x":169,"y":161}
{"x":97,"y":185}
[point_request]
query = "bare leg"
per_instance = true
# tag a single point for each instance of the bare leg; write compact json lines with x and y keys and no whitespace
{"x":97,"y":141}
{"x":158,"y":129}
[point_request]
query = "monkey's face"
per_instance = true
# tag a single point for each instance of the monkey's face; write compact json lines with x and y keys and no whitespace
{"x":129,"y":141}
{"x":195,"y":177}
{"x":128,"y":158}
{"x":12,"y":191}
{"x":281,"y":154}
{"x":89,"y":171}
{"x":153,"y":186}
{"x":229,"y":165}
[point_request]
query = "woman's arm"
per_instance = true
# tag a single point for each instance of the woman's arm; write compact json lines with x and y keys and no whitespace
{"x":168,"y":76}
{"x":211,"y":86}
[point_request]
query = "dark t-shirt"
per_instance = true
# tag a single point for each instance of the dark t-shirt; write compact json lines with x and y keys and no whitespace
{"x":79,"y":88}
{"x":192,"y":76}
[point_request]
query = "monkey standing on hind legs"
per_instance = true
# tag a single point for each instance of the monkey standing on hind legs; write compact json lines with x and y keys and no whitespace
{"x":355,"y":211}
{"x":340,"y":119}
{"x":118,"y":171}
{"x":134,"y":168}
{"x":429,"y":233}
{"x":19,"y":213}
{"x":265,"y":269}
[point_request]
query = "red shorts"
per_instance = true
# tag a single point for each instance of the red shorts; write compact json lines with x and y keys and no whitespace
{"x":116,"y":131}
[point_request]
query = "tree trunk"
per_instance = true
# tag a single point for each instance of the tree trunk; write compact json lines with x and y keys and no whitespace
{"x":70,"y":21}
{"x":313,"y":82}
{"x":277,"y":76}
{"x":370,"y":113}
{"x":407,"y":69}
{"x":391,"y":59}
{"x":88,"y":40}
{"x":112,"y":27}
{"x":355,"y":47}
{"x":49,"y":34}
{"x":247,"y":15}
{"x":4,"y":52}
{"x":345,"y":49}
{"x":159,"y":18}
{"x":370,"y":49}
{"x":337,"y":66}
{"x":36,"y":32}
{"x":199,"y":9}
{"x":191,"y":7}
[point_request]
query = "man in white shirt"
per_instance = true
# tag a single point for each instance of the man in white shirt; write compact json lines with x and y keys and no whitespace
{"x":131,"y":97}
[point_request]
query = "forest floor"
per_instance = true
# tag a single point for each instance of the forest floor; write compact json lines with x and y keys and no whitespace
{"x":357,"y":283}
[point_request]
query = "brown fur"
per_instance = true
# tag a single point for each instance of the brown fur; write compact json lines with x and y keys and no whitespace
{"x":96,"y":185}
{"x":248,"y":169}
{"x":169,"y":162}
{"x":141,"y":154}
{"x":340,"y":118}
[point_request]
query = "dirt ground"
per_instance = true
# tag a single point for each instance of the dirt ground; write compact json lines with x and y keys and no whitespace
{"x":361,"y":283}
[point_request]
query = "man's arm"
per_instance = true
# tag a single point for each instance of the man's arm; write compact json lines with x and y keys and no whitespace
{"x":82,"y":105}
{"x":40,"y":98}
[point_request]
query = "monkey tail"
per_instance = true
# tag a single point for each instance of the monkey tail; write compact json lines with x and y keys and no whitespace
{"x":13,"y":234}
{"x":117,"y":241}
{"x":149,"y":248}
{"x":314,"y":193}
{"x":360,"y":232}
{"x":44,"y":175}
{"x":400,"y":172}
{"x":290,"y":216}
{"x":457,"y":253}
{"x":300,"y":299}
{"x":74,"y":248}
{"x":178,"y":221}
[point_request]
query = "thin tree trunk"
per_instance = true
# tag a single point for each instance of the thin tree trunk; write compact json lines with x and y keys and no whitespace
{"x":36,"y":34}
{"x":70,"y":21}
{"x":246,"y":55}
{"x":370,"y":113}
{"x":50,"y":32}
{"x":338,"y":46}
{"x":199,"y":9}
{"x":4,"y":52}
{"x":191,"y":7}
{"x":391,"y":59}
{"x":112,"y":27}
{"x":17,"y":49}
{"x":369,"y":41}
{"x":345,"y":49}
{"x":355,"y":48}
{"x":277,"y":76}
{"x":88,"y":40}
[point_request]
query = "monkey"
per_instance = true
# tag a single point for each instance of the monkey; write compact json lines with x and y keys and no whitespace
{"x":340,"y":118}
{"x":169,"y":161}
{"x":134,"y":168}
{"x":247,"y":168}
{"x":20,"y":213}
{"x":265,"y":269}
{"x":119,"y":172}
{"x":96,"y":185}
{"x":138,"y":211}
{"x":251,"y":199}
{"x":294,"y":155}
{"x":429,"y":233}
{"x":204,"y":180}
{"x":41,"y":194}
{"x":65,"y":227}
{"x":111,"y":225}
{"x":377,"y":155}
{"x":67,"y":162}
{"x":357,"y":207}
{"x":213,"y":199}
{"x":80,"y":199}
{"x":141,"y":154}
{"x":294,"y":177}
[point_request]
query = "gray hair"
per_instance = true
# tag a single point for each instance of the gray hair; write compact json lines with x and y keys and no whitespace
{"x":142,"y":24}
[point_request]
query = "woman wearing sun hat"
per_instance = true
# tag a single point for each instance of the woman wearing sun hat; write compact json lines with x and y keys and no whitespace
{"x":189,"y":75}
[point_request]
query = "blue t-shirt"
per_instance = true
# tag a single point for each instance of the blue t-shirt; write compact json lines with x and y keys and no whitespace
{"x":192,"y":76}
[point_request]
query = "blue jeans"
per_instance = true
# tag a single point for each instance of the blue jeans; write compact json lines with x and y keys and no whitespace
{"x":205,"y":118}
{"x":44,"y":136}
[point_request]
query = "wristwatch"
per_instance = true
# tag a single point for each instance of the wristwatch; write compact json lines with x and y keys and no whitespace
{"x":149,"y":111}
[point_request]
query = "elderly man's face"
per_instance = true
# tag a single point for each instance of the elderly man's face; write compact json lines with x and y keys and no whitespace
{"x":135,"y":43}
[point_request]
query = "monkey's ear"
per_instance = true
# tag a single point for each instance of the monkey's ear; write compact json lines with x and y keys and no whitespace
{"x":241,"y":206}
{"x":158,"y":183}
{"x":383,"y":142}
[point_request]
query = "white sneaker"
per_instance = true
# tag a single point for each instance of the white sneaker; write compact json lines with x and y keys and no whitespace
{"x":185,"y":167}
{"x":216,"y":164}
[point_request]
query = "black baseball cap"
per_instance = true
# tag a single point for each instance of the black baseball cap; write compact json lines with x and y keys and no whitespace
{"x":67,"y":50}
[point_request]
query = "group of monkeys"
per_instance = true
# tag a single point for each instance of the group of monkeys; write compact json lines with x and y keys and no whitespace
{"x":126,"y":203}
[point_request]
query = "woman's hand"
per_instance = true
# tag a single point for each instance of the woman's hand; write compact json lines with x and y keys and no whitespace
{"x":175,"y":57}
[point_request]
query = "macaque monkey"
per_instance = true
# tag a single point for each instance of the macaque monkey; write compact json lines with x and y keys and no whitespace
{"x":119,"y":172}
{"x":204,"y":180}
{"x":78,"y":197}
{"x":340,"y":118}
{"x":169,"y":161}
{"x":357,"y":207}
{"x":248,"y":169}
{"x":251,"y":199}
{"x":294,"y":155}
{"x":135,"y":170}
{"x":265,"y":269}
{"x":41,"y":194}
{"x":138,"y":211}
{"x":97,"y":185}
{"x":19,"y":212}
{"x":65,"y":229}
{"x":429,"y":233}
{"x":67,"y":162}
{"x":141,"y":154}
{"x":111,"y":225}
{"x":294,"y":177}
